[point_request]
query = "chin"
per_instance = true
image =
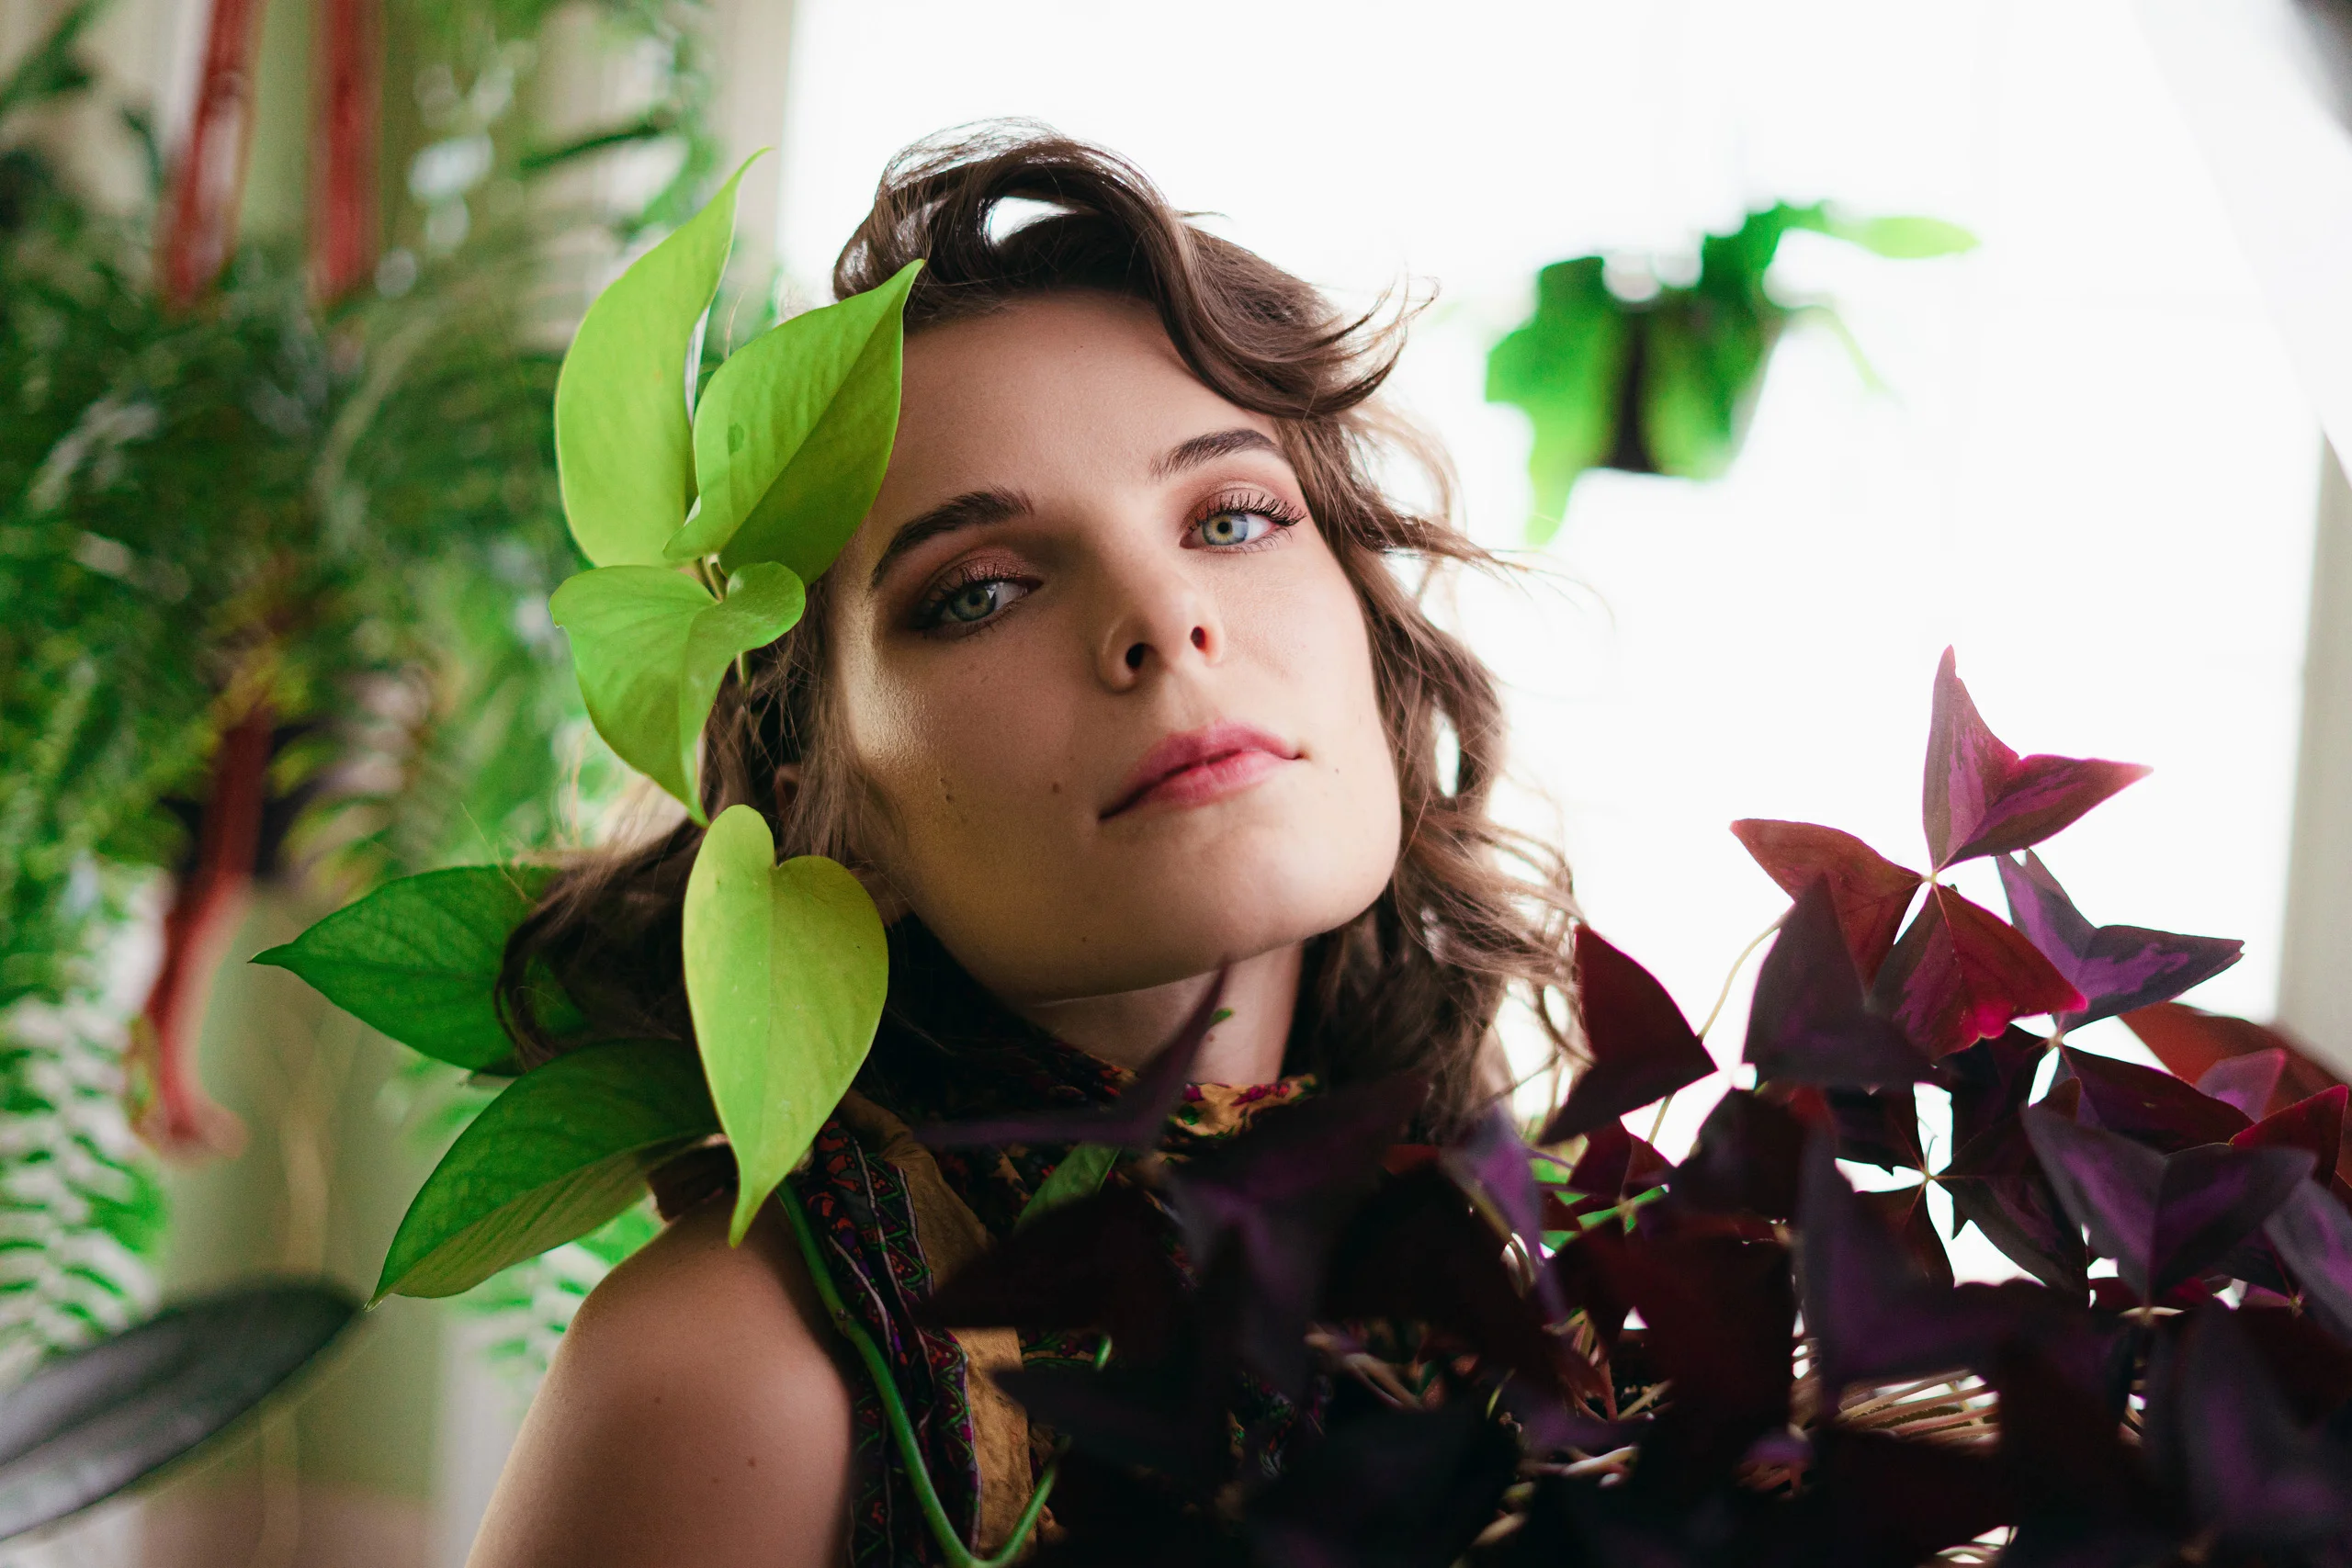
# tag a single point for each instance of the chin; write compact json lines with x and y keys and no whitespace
{"x":1150,"y":919}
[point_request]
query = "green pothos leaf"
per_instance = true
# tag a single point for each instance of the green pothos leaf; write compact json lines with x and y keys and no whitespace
{"x":624,"y":442}
{"x":652,"y":645}
{"x":794,"y":432}
{"x":785,"y":969}
{"x":1081,"y":1172}
{"x":419,"y":958}
{"x":561,"y":1151}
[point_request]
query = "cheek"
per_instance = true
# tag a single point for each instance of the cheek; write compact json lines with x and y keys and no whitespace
{"x":958,"y":769}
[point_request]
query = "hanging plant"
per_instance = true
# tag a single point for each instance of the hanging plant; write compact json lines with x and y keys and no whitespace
{"x":1665,"y":383}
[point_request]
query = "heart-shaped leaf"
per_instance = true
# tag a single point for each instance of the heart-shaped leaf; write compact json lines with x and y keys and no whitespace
{"x":563,"y":1150}
{"x":1870,"y":892}
{"x":794,"y":432}
{"x":2117,"y":968}
{"x":419,"y":958}
{"x":651,"y":646}
{"x":2163,"y":1218}
{"x":624,"y":444}
{"x":1959,"y":975}
{"x":1641,"y":1048}
{"x":1809,"y":1023}
{"x":1983,"y":799}
{"x":785,"y":972}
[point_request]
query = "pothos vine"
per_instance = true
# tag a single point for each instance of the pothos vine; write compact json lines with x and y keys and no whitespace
{"x":704,"y":515}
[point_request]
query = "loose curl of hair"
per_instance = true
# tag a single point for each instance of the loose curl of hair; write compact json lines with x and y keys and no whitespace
{"x":1471,"y":910}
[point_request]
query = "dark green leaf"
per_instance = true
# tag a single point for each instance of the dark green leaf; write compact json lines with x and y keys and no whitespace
{"x":561,"y":1151}
{"x":419,"y":958}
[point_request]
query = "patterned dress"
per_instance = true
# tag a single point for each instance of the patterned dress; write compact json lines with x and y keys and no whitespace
{"x":895,"y":1218}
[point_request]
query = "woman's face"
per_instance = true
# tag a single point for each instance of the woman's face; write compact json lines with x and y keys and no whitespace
{"x":1103,"y":672}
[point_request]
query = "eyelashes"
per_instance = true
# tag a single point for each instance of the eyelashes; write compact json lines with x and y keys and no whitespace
{"x":974,"y":595}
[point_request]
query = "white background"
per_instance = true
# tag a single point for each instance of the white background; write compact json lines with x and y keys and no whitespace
{"x":2091,"y":470}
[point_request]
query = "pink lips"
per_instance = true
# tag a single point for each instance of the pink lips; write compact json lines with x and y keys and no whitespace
{"x":1202,"y":765}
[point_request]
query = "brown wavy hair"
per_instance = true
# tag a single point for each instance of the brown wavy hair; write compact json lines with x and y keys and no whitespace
{"x":1471,"y":910}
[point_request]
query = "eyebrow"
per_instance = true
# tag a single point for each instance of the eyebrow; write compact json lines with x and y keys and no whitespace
{"x":973,"y":509}
{"x":978,"y":508}
{"x":1210,"y":447}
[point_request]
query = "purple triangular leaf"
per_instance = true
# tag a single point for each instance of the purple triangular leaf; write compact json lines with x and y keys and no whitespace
{"x":2147,"y":1106}
{"x":1133,"y":1122}
{"x":2247,"y":1082}
{"x":1809,"y":1023}
{"x":2223,"y":1433}
{"x":1641,"y":1048}
{"x":1492,"y":1159}
{"x":1990,"y":1080}
{"x":1746,"y":1159}
{"x":2313,"y":1236}
{"x":2163,"y":1218}
{"x":2118,"y":968}
{"x":1959,"y":975}
{"x":1278,"y":1195}
{"x":1415,"y":1251}
{"x":1878,"y":1127}
{"x":1981,"y":798}
{"x":1874,"y":1316}
{"x":1997,"y":1185}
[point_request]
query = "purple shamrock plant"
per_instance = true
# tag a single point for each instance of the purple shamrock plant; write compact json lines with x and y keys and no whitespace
{"x":1350,"y":1338}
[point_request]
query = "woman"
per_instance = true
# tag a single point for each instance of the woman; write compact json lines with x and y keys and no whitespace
{"x":1124,"y":680}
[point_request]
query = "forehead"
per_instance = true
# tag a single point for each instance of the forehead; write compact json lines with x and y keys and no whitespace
{"x":1075,"y":387}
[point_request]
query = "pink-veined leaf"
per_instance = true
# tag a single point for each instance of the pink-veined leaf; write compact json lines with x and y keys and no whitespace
{"x":1642,"y":1047}
{"x":1959,"y":975}
{"x":2117,"y":968}
{"x":1981,"y":798}
{"x":1870,"y":892}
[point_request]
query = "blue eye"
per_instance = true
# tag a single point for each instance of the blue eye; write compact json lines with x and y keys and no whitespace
{"x":1233,"y":526}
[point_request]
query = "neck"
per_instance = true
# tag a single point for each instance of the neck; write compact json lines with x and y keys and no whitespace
{"x":1128,"y":1029}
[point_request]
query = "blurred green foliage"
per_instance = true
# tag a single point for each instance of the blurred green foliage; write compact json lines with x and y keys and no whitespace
{"x":350,"y":511}
{"x":1665,"y":384}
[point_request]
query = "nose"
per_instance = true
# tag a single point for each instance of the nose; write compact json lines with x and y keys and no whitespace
{"x":1161,"y":620}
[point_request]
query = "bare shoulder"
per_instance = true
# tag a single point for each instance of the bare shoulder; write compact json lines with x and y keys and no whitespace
{"x":693,"y":1413}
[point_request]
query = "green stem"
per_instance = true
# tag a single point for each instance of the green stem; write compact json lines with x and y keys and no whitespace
{"x":901,"y":1428}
